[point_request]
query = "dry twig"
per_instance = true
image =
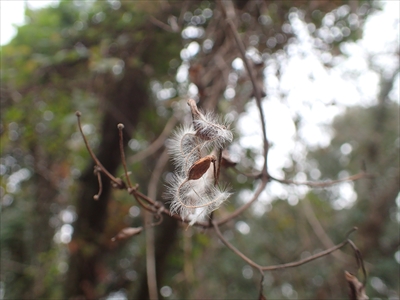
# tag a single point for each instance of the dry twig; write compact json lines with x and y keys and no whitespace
{"x":228,"y":9}
{"x":281,"y":266}
{"x":323,"y":184}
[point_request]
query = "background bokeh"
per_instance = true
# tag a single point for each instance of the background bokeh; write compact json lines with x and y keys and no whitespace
{"x":330,"y":74}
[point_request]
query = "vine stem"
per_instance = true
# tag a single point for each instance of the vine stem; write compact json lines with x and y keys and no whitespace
{"x":227,"y":7}
{"x":122,"y":152}
{"x":287,"y":265}
{"x":322,"y":184}
{"x":118,"y":182}
{"x":157,"y":207}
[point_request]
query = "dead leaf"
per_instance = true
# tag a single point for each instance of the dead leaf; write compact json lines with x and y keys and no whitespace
{"x":357,"y":289}
{"x":127,"y":233}
{"x":200,"y":167}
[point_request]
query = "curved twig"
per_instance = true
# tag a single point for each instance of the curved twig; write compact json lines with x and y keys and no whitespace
{"x":122,"y":152}
{"x":257,"y":93}
{"x":157,"y":144}
{"x":237,"y":212}
{"x":319,"y":230}
{"x":281,"y":266}
{"x":118,"y":182}
{"x":322,"y":184}
{"x":97,"y":172}
{"x":360,"y":260}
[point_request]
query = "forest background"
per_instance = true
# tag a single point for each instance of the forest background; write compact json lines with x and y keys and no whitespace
{"x":328,"y":76}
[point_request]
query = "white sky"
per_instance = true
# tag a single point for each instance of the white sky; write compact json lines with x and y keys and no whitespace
{"x":309,"y":87}
{"x":12,"y":13}
{"x":306,"y":88}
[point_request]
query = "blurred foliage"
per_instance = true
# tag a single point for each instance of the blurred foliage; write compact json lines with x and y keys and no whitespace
{"x":57,"y":64}
{"x":66,"y":57}
{"x":365,"y":140}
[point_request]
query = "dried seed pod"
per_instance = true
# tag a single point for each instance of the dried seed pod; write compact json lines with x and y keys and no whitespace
{"x":208,"y":128}
{"x":185,"y":148}
{"x":200,"y":167}
{"x":193,"y":188}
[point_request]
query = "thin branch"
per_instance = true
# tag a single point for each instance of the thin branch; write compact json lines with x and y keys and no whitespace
{"x":122,"y":152}
{"x":360,"y":260}
{"x":118,"y":182}
{"x":233,"y":248}
{"x":157,"y":144}
{"x":261,"y":294}
{"x":321,"y":184}
{"x":150,"y":257}
{"x":254,"y":175}
{"x":247,"y":205}
{"x":188,"y":269}
{"x":156,"y":174}
{"x":152,"y":187}
{"x":230,"y":16}
{"x":150,"y":247}
{"x":134,"y":192}
{"x":161,"y":25}
{"x":162,"y":209}
{"x":217,"y":173}
{"x":319,"y":230}
{"x":160,"y":220}
{"x":313,"y":257}
{"x":282,"y":266}
{"x":97,"y":172}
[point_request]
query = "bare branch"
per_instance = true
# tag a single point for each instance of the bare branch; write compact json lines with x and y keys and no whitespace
{"x":121,"y":149}
{"x":237,"y":252}
{"x":360,"y":260}
{"x":152,"y":187}
{"x":219,"y":160}
{"x":230,"y":13}
{"x":161,"y":25}
{"x":261,"y":294}
{"x":281,"y":266}
{"x":118,"y":182}
{"x":97,"y":172}
{"x":322,"y":184}
{"x":150,"y":258}
{"x":157,"y":144}
{"x":237,"y":212}
{"x":134,"y":192}
{"x":319,"y":230}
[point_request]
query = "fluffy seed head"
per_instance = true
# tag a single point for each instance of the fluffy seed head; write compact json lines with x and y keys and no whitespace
{"x":191,"y":191}
{"x":185,"y":148}
{"x":194,"y":200}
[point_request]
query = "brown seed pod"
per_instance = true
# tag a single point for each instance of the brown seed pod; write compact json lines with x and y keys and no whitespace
{"x":200,"y":167}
